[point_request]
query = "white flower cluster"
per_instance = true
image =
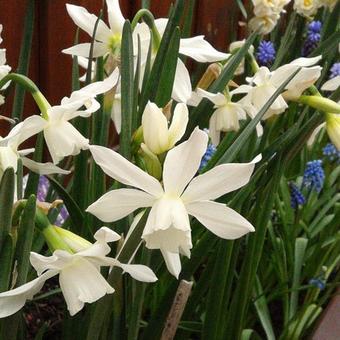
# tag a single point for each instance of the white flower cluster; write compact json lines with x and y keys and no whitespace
{"x":4,"y":69}
{"x":267,"y":13}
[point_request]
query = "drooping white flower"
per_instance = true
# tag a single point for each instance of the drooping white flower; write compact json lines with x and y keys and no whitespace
{"x":307,"y":8}
{"x":168,"y":227}
{"x":264,"y":84}
{"x":79,"y":275}
{"x":226,"y":116}
{"x":61,"y":137}
{"x":9,"y":153}
{"x":158,"y":137}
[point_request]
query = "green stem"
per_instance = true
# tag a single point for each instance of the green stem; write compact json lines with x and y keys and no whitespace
{"x":149,"y":19}
{"x":29,"y":86}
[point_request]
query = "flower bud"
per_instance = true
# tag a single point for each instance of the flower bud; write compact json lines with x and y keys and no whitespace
{"x":158,"y":137}
{"x":320,"y":103}
{"x":74,"y":241}
{"x":333,"y":128}
{"x":151,"y":161}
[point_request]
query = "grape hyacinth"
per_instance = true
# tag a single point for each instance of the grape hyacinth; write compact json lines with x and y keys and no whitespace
{"x":211,"y":149}
{"x":265,"y":53}
{"x":314,"y":175}
{"x":296,"y":196}
{"x":331,"y":153}
{"x":318,"y":283}
{"x":335,"y":70}
{"x":43,"y":188}
{"x":313,"y":37}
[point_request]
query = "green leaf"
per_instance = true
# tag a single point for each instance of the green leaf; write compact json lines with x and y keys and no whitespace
{"x":24,"y":58}
{"x":127,"y":86}
{"x":33,"y":178}
{"x":24,"y":241}
{"x":76,"y":214}
{"x":6,"y":258}
{"x":262,"y":310}
{"x":299,"y":254}
{"x":167,"y":75}
{"x":7,"y":187}
{"x":152,"y":84}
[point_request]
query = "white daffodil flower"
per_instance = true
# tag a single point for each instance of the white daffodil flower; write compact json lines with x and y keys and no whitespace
{"x":158,"y":137}
{"x":307,"y":8}
{"x":79,"y":275}
{"x":331,"y":84}
{"x":226,"y":116}
{"x":9,"y":153}
{"x":267,"y":13}
{"x":264,"y":84}
{"x":168,"y":227}
{"x":61,"y":137}
{"x":107,"y":39}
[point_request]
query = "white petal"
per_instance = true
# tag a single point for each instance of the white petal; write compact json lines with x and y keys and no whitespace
{"x":119,"y":168}
{"x":200,"y":50}
{"x":13,"y":300}
{"x":317,"y":130}
{"x":82,"y":282}
{"x":168,"y":227}
{"x":178,"y":124}
{"x":103,"y":86}
{"x":86,"y":21}
{"x":173,"y":262}
{"x":117,"y":204}
{"x":138,"y":272}
{"x":63,"y":140}
{"x":219,"y":219}
{"x":23,"y":131}
{"x":214,"y":133}
{"x":116,"y":19}
{"x":182,"y":89}
{"x":83,"y":50}
{"x":106,"y":235}
{"x":183,"y":161}
{"x":304,"y":62}
{"x":155,"y":129}
{"x":217,"y":98}
{"x":116,"y":112}
{"x":43,"y":168}
{"x":218,"y":181}
{"x":332,"y":84}
{"x":57,"y":261}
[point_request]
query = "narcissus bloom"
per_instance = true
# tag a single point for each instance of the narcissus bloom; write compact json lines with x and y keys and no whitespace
{"x":61,"y":137}
{"x":107,"y":39}
{"x":307,"y":8}
{"x":158,"y":137}
{"x":79,"y":274}
{"x":264,"y":84}
{"x":226,"y":116}
{"x":9,"y":153}
{"x":180,"y":195}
